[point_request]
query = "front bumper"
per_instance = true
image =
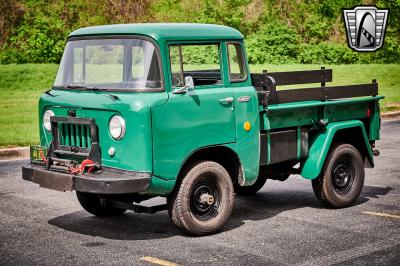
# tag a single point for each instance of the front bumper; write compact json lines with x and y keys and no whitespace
{"x":109,"y":181}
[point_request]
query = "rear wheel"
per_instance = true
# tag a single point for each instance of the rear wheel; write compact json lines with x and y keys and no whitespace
{"x":204,"y":201}
{"x":342,"y":179}
{"x":91,"y":203}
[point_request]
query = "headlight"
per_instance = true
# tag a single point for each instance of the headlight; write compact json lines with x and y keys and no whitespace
{"x":46,"y":119}
{"x":117,"y":127}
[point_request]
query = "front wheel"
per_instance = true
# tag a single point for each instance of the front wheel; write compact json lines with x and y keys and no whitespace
{"x":342,"y":179}
{"x":91,"y":203}
{"x":204,"y":200}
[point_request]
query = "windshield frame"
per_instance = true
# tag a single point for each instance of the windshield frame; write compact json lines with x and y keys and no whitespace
{"x":110,"y":37}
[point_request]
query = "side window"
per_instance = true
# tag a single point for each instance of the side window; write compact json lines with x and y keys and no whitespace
{"x":237,"y":65}
{"x":201,"y":62}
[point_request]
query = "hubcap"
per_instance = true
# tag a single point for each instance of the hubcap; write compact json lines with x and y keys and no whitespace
{"x":343,"y":175}
{"x":205,"y":199}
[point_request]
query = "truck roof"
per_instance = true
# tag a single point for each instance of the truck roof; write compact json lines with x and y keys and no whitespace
{"x":164,"y":31}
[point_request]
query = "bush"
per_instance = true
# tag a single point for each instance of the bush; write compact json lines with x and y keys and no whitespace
{"x":274,"y":43}
{"x":326,"y":53}
{"x":41,"y":33}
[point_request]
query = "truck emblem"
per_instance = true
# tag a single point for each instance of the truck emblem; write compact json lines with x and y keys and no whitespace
{"x":365,"y":27}
{"x":242,"y":99}
{"x":71,"y":112}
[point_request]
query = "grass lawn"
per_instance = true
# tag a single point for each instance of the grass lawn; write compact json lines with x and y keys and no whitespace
{"x":21,"y":86}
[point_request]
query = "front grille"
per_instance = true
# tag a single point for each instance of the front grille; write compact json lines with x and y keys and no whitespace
{"x":76,"y":135}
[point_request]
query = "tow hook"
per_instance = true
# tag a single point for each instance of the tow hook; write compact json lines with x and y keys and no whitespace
{"x":375,"y":152}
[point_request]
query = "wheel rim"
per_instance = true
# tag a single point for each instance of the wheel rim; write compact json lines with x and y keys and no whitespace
{"x":343,"y":172}
{"x":205,"y":199}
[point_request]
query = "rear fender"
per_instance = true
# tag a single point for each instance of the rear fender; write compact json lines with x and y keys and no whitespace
{"x":321,"y":143}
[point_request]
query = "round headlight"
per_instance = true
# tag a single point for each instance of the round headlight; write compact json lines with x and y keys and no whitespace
{"x":46,"y":119}
{"x":117,"y":127}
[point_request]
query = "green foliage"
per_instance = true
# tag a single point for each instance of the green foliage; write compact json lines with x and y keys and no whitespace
{"x":225,"y":14}
{"x":328,"y":53}
{"x":200,"y":54}
{"x":274,"y":43}
{"x":277,"y":31}
{"x":41,"y":35}
{"x":44,"y":41}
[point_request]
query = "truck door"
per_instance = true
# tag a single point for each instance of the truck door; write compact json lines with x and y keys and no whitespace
{"x":197,"y":118}
{"x":246,"y":112}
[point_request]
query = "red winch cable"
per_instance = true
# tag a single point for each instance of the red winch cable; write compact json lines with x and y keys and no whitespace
{"x":80,"y":169}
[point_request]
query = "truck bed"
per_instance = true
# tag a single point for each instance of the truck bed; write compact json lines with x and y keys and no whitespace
{"x":289,"y":119}
{"x":307,"y":113}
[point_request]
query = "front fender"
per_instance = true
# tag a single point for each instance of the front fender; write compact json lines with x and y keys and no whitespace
{"x":321,"y":144}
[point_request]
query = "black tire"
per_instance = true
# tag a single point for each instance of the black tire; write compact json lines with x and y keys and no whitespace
{"x":172,"y":211}
{"x":91,"y":203}
{"x":250,"y":190}
{"x":342,"y":179}
{"x":204,"y":200}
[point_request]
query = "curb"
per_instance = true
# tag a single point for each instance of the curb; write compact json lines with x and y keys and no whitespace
{"x":13,"y":153}
{"x":390,"y":115}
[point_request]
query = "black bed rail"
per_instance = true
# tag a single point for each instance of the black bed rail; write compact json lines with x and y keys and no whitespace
{"x":324,"y":93}
{"x":266,"y":83}
{"x":301,"y":77}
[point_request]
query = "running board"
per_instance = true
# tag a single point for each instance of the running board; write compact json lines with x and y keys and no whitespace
{"x":133,"y":207}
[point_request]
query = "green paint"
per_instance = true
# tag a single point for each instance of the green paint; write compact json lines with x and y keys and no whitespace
{"x":247,"y":144}
{"x":187,"y":123}
{"x":134,"y":107}
{"x":319,"y":147}
{"x":287,"y":117}
{"x":165,"y":31}
{"x":298,"y":142}
{"x":160,"y":187}
{"x":268,"y":148}
{"x":306,"y":104}
{"x":375,"y":121}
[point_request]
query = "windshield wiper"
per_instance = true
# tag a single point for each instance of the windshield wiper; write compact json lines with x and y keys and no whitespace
{"x":114,"y":97}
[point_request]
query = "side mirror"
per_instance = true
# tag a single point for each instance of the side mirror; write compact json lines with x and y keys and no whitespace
{"x":189,"y":86}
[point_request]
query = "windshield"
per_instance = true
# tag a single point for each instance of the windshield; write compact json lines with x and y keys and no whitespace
{"x":114,"y":64}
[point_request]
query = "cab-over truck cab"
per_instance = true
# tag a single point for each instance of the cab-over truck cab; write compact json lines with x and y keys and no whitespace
{"x":145,"y":110}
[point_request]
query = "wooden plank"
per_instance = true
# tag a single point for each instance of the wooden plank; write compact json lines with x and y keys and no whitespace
{"x":301,"y":77}
{"x":324,"y":93}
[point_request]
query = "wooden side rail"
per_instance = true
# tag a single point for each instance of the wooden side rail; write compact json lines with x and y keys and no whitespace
{"x":266,"y":83}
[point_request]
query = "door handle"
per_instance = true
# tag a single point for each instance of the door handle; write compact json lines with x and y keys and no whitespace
{"x":226,"y":100}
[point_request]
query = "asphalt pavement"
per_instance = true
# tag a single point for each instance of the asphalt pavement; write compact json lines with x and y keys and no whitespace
{"x":282,"y":224}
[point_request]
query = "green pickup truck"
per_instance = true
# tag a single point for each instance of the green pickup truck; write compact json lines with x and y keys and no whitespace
{"x":145,"y":110}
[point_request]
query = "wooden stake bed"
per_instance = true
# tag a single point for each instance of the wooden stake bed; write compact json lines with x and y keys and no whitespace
{"x":266,"y":83}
